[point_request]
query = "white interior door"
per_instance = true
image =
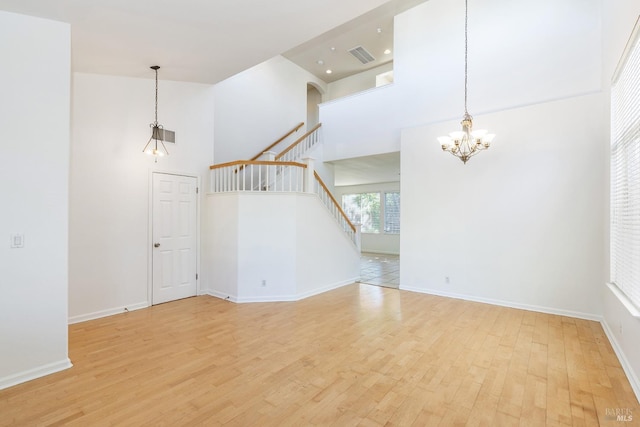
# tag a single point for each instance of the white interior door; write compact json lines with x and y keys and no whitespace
{"x":174,"y":237}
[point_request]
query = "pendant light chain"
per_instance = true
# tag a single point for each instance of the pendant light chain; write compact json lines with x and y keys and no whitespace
{"x":465,"y":56}
{"x":155,"y":146}
{"x":156,"y":117}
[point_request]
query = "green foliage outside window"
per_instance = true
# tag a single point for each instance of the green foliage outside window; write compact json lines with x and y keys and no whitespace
{"x":366,"y":209}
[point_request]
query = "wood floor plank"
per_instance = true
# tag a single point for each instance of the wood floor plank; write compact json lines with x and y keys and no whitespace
{"x":358,"y":355}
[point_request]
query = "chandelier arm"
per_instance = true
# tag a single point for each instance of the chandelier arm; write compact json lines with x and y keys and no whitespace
{"x":165,"y":148}
{"x":148,"y":142}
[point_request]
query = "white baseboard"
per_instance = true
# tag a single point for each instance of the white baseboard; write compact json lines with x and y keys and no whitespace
{"x":108,"y":312}
{"x":34,"y":373}
{"x":327,"y":288}
{"x":280,"y":298}
{"x":626,"y":366}
{"x":528,"y":307}
{"x":221,"y":295}
{"x":276,"y":298}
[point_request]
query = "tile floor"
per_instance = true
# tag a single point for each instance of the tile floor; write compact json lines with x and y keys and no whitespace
{"x":380,"y":269}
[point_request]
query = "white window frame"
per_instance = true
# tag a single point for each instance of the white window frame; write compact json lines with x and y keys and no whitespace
{"x":625,"y":177}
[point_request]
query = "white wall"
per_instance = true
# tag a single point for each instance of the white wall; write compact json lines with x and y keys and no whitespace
{"x":371,"y":242}
{"x":110,"y":181}
{"x":266,"y":246}
{"x":521,"y":224}
{"x":326,"y":257}
{"x":34,"y":161}
{"x":220,"y":246}
{"x":256,"y":107}
{"x":356,"y":83}
{"x":511,"y":63}
{"x":623,"y":329}
{"x":289,"y":245}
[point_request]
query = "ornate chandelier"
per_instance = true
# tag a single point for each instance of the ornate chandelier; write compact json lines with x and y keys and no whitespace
{"x":466,"y":143}
{"x":157,"y":134}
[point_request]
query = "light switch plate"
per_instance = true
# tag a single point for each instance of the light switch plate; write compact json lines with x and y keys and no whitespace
{"x":17,"y":240}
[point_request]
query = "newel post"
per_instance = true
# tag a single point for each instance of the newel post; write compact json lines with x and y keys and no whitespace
{"x":269,"y":156}
{"x":309,"y":178}
{"x":358,"y":237}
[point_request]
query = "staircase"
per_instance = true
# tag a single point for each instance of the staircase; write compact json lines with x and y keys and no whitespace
{"x":274,"y":230}
{"x":283,"y":172}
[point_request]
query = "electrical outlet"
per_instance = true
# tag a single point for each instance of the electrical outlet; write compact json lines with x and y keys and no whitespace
{"x":264,"y":283}
{"x":447,"y":280}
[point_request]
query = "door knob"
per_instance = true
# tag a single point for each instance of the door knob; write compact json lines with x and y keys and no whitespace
{"x":156,"y":245}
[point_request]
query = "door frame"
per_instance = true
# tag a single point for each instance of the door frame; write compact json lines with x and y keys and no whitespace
{"x":150,"y":230}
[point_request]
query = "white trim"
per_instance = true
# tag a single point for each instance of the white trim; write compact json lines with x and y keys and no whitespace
{"x":107,"y":312}
{"x":633,"y":310}
{"x":268,"y":298}
{"x":635,"y":33}
{"x":528,"y":307}
{"x":280,"y":298}
{"x":626,"y":366}
{"x":328,"y":288}
{"x":221,"y":295}
{"x":32,"y":374}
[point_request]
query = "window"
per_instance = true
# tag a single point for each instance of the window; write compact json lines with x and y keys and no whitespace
{"x":625,"y":174}
{"x":392,"y":212}
{"x":367,"y":209}
{"x":363,"y":209}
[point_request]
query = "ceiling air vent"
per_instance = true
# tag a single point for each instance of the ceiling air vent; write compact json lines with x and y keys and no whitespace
{"x":168,"y":135}
{"x":362,"y":54}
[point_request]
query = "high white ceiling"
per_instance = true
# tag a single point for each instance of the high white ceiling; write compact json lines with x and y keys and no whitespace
{"x":192,"y":40}
{"x":373,"y":31}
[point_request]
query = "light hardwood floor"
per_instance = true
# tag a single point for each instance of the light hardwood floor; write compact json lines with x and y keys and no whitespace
{"x":359,"y":355}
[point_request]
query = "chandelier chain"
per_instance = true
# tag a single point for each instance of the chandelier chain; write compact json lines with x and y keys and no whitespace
{"x":465,"y":56}
{"x":156,"y":116}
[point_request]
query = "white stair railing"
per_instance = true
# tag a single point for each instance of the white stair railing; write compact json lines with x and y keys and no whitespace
{"x":257,"y":176}
{"x":306,"y":142}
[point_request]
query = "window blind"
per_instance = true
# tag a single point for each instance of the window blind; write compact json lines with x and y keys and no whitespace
{"x":625,"y":173}
{"x":392,"y":212}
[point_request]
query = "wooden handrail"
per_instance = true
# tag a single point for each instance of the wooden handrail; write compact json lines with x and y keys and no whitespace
{"x":257,"y":162}
{"x":335,"y":202}
{"x":298,"y":141}
{"x":282,"y":138}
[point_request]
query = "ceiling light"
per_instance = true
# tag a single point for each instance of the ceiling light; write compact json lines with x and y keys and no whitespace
{"x":320,"y":62}
{"x":329,"y":71}
{"x":466,"y":143}
{"x":333,"y":48}
{"x":387,"y":51}
{"x":379,"y":30}
{"x":156,"y":131}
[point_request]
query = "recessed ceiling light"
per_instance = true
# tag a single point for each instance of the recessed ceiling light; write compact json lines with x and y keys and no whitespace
{"x":379,"y":30}
{"x":320,"y":62}
{"x":329,"y":71}
{"x":333,"y":48}
{"x":387,"y":51}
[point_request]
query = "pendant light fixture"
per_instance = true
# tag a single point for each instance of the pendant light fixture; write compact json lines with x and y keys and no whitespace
{"x":466,"y":143}
{"x":155,"y":147}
